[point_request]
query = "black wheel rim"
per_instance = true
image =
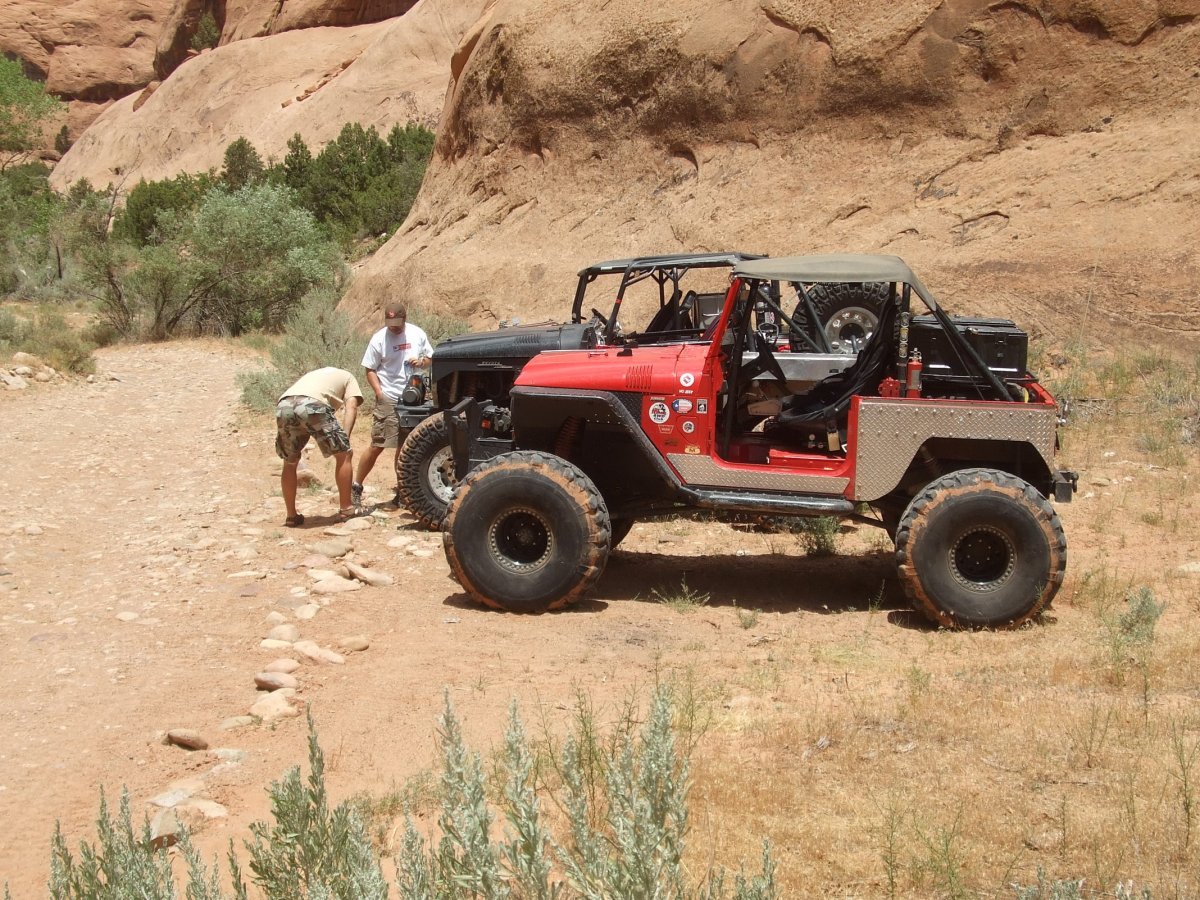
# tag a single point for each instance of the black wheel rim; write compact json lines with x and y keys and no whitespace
{"x":521,"y":540}
{"x":982,"y":558}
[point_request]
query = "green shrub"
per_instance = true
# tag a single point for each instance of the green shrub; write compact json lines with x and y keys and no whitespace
{"x":316,"y":334}
{"x":241,"y":260}
{"x":48,"y":337}
{"x":207,"y":34}
{"x":124,"y":864}
{"x":147,"y":202}
{"x":243,"y":166}
{"x":312,"y":850}
{"x":625,"y":799}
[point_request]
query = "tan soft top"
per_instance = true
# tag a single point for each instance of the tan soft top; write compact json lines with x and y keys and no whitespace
{"x":853,"y":268}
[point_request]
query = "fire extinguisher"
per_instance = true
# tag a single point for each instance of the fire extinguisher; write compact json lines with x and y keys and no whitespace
{"x":912,"y":375}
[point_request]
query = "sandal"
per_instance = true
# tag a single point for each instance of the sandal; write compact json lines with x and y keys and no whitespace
{"x":350,"y":512}
{"x":293,"y":521}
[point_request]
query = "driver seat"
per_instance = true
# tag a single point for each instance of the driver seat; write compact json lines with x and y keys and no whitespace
{"x":824,"y":408}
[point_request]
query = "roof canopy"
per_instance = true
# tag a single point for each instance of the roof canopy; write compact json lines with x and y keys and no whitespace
{"x":834,"y":267}
{"x":841,"y":268}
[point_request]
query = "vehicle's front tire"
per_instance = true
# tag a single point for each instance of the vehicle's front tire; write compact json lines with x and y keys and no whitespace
{"x":527,"y":532}
{"x":979,"y":548}
{"x":425,"y":472}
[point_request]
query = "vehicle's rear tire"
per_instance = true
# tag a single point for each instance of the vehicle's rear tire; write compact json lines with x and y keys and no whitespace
{"x":425,"y":472}
{"x":979,"y":548}
{"x":848,"y":313}
{"x":527,"y":532}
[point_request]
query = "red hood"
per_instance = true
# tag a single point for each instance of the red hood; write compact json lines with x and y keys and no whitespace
{"x":644,"y":369}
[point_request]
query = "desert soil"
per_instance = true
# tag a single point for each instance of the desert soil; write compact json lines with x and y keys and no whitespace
{"x":143,"y":562}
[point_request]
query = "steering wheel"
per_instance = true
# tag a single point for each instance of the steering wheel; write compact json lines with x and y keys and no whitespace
{"x":599,"y":315}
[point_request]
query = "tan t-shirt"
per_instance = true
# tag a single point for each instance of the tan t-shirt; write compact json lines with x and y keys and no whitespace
{"x":329,"y":385}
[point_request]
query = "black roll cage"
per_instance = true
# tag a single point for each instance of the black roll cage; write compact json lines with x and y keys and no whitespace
{"x":663,"y":270}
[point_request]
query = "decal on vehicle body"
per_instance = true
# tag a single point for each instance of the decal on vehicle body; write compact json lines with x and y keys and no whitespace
{"x":659,"y":413}
{"x":681,"y":406}
{"x":692,"y":449}
{"x":687,"y":379}
{"x":688,"y":427}
{"x":702,"y":407}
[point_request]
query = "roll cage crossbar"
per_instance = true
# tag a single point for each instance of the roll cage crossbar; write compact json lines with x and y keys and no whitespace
{"x":864,"y":268}
{"x":662,"y":270}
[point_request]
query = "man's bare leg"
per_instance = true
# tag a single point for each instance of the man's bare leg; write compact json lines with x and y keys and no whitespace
{"x":288,"y":480}
{"x":367,"y":463}
{"x":343,"y":474}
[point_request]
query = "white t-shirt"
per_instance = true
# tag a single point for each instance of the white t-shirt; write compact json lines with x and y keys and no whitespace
{"x":390,"y":356}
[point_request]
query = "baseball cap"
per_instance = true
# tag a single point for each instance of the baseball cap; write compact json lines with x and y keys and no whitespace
{"x":394,"y":311}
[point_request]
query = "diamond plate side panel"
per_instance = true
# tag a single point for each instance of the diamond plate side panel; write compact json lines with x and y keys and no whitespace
{"x":891,"y":432}
{"x":702,"y":471}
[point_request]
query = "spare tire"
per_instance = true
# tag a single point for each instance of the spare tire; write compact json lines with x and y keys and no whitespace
{"x":526,"y":532}
{"x":847,"y":313}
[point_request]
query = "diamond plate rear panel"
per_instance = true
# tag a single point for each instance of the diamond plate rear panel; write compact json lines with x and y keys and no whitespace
{"x":891,"y":431}
{"x":702,"y":471}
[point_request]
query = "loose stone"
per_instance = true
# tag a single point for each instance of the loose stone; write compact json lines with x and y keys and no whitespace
{"x":187,"y":739}
{"x":287,"y":632}
{"x":274,"y":681}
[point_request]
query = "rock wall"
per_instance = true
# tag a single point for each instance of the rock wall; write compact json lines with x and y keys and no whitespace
{"x":266,"y":89}
{"x":1030,"y":159}
{"x":257,"y":18}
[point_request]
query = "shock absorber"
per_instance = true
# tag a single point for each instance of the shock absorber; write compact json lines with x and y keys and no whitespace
{"x":568,"y":437}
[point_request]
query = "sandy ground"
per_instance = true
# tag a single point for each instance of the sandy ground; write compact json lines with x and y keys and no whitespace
{"x":142,"y":556}
{"x":131,"y":612}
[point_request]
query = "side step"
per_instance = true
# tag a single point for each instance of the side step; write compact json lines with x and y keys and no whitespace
{"x":786,"y":505}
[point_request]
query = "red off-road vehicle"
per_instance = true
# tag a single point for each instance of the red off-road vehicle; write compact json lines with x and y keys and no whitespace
{"x":936,"y":432}
{"x":648,"y":299}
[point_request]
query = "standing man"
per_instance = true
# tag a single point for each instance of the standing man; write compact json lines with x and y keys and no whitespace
{"x":394,"y":353}
{"x":307,"y":409}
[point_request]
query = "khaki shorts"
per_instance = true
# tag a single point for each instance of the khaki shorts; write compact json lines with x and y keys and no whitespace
{"x":385,"y":426}
{"x":299,"y":418}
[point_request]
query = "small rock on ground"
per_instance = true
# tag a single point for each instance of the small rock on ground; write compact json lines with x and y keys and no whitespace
{"x":187,"y":739}
{"x":274,"y":681}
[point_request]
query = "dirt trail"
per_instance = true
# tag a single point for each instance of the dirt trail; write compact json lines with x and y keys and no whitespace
{"x":127,"y":505}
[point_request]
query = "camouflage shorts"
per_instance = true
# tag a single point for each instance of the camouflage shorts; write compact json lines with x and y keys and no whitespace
{"x":299,"y":418}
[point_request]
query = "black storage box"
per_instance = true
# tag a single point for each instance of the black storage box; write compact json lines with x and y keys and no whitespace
{"x":999,"y":343}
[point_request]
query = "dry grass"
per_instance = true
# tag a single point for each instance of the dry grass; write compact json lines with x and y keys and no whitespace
{"x":898,"y":762}
{"x":885,"y":758}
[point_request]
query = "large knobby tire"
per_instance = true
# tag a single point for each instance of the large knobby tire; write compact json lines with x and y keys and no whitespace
{"x":425,"y":472}
{"x":527,"y":532}
{"x":979,"y":548}
{"x":848,"y":313}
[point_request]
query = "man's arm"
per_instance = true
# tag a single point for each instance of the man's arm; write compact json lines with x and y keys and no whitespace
{"x":424,"y":353}
{"x":351,"y":414}
{"x":376,"y":386}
